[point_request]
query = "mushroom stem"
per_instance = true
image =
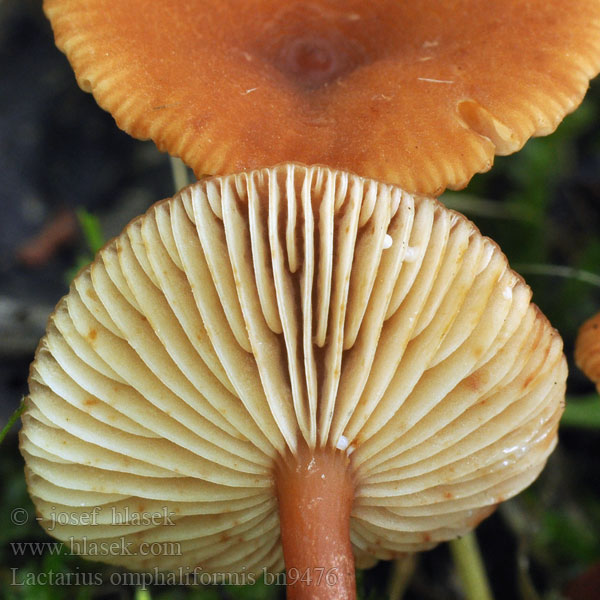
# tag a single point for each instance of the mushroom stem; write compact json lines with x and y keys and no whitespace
{"x":470,"y":567}
{"x":315,"y":491}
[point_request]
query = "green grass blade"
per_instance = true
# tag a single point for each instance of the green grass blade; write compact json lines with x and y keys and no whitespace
{"x":13,"y":419}
{"x":582,"y":412}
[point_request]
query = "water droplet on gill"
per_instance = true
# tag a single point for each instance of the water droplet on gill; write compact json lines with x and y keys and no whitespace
{"x":342,"y":443}
{"x":411,"y":254}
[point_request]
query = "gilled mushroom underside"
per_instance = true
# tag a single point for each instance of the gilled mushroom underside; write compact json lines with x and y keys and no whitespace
{"x":296,"y":306}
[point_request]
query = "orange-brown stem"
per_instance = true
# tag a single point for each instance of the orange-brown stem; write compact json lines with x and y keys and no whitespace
{"x":315,"y":492}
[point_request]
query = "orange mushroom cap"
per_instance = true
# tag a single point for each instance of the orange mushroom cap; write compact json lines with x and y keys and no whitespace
{"x":587,"y":349}
{"x":421,"y":94}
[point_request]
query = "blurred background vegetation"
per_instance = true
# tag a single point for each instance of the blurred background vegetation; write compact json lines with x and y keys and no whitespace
{"x":65,"y":165}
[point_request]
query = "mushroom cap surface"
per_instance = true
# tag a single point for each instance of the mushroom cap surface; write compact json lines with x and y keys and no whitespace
{"x":419,"y":94}
{"x":587,"y":349}
{"x":295,"y":305}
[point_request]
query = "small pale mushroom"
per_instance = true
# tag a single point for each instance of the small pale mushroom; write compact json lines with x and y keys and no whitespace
{"x":421,"y":94}
{"x":587,"y":349}
{"x":291,"y":364}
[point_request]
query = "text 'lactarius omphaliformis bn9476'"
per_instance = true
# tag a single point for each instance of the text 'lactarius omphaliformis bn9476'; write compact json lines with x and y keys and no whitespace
{"x":291,"y":364}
